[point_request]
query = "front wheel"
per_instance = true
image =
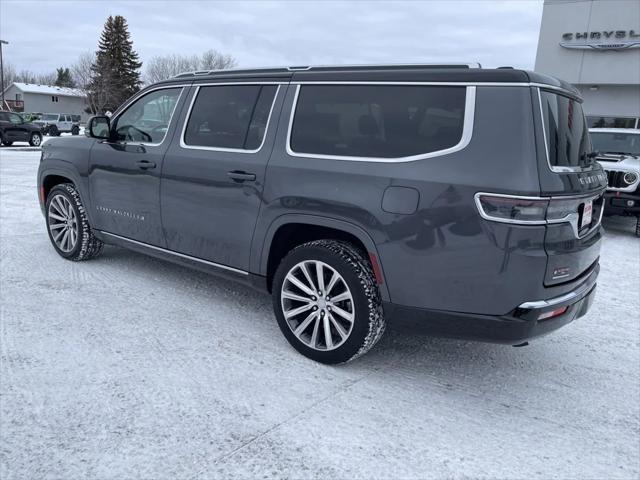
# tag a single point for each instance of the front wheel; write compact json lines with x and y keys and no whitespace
{"x":35,"y":140}
{"x":53,"y":131}
{"x":327,"y":302}
{"x":68,"y":225}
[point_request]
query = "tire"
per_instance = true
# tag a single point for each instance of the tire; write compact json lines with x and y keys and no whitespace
{"x":75,"y":130}
{"x":53,"y":131}
{"x":35,"y":139}
{"x":7,"y":143}
{"x":356,"y":285}
{"x":61,"y":198}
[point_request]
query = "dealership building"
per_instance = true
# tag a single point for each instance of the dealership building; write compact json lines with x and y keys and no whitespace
{"x":595,"y":45}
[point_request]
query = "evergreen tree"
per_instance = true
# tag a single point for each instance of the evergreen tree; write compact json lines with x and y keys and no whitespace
{"x":63,"y":78}
{"x":116,"y":71}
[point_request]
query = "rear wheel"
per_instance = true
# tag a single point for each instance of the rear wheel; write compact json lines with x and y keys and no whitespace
{"x":35,"y":139}
{"x":327,"y":301}
{"x":68,"y":226}
{"x":53,"y":131}
{"x":7,"y":143}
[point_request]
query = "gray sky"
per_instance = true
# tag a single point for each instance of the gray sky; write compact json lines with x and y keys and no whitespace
{"x":45,"y":35}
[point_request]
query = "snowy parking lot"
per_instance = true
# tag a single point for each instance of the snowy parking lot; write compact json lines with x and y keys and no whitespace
{"x":131,"y":367}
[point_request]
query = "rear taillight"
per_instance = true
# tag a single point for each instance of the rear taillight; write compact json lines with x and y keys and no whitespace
{"x":512,"y":209}
{"x":538,"y":210}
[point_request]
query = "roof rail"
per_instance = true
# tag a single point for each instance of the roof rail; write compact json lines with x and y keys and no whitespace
{"x":299,"y":68}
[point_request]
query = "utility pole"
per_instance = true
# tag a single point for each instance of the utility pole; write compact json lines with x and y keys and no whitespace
{"x":2,"y":42}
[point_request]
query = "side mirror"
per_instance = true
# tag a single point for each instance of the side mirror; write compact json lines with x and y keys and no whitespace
{"x":98,"y":127}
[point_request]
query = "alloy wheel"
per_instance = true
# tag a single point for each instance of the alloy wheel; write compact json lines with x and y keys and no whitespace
{"x":63,"y":223}
{"x":317,"y":305}
{"x":36,"y":139}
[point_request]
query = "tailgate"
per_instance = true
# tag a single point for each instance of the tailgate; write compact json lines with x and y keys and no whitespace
{"x":573,"y":247}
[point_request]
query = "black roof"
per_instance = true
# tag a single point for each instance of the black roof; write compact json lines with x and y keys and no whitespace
{"x":380,"y":73}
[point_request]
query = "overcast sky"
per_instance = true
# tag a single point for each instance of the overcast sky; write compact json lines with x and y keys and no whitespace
{"x":44,"y":35}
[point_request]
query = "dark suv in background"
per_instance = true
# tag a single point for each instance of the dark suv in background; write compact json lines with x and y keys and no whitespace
{"x":14,"y":128}
{"x":466,"y":198}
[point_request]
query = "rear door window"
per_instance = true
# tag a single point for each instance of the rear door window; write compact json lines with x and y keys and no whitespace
{"x":566,"y":131}
{"x":229,"y":117}
{"x":374,"y":121}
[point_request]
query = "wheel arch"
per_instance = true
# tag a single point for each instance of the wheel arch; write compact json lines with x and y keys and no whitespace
{"x":51,"y":177}
{"x":290,"y":230}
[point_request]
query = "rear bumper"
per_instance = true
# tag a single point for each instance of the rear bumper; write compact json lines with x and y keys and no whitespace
{"x":617,"y":203}
{"x":516,"y":327}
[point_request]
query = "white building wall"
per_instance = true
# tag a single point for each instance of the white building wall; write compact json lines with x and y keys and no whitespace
{"x":38,"y":102}
{"x":43,"y":103}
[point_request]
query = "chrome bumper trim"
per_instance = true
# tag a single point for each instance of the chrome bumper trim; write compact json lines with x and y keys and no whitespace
{"x":578,"y":293}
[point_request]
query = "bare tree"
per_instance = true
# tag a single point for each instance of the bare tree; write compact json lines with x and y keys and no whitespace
{"x":161,"y":68}
{"x":10,"y":74}
{"x":27,"y":76}
{"x":214,"y":60}
{"x":81,"y":70}
{"x":167,"y":66}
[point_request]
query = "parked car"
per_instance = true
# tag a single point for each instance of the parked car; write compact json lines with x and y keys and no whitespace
{"x":14,"y":128}
{"x":456,"y":196}
{"x":619,"y":154}
{"x":56,"y":123}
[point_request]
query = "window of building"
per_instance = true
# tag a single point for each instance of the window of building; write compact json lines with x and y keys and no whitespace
{"x":612,"y":122}
{"x":18,"y":97}
{"x":391,"y":121}
{"x":54,"y":98}
{"x":230,"y":116}
{"x":147,"y":119}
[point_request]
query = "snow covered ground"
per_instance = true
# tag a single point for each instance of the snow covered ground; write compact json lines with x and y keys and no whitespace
{"x":130,"y":367}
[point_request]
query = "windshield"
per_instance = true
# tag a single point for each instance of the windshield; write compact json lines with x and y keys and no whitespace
{"x":49,"y":116}
{"x":566,"y":131}
{"x":609,"y":142}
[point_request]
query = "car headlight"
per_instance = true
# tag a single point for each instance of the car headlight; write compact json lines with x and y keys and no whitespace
{"x":630,"y":178}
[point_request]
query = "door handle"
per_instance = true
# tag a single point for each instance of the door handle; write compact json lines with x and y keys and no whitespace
{"x":145,"y":164}
{"x":238,"y":176}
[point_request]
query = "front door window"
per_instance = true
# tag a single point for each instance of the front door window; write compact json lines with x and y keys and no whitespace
{"x":147,"y":119}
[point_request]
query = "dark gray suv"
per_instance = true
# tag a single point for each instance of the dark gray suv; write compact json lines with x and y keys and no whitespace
{"x":465,"y":198}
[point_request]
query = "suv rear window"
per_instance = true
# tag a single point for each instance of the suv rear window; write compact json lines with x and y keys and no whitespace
{"x":388,"y":121}
{"x":230,"y":116}
{"x":566,"y":131}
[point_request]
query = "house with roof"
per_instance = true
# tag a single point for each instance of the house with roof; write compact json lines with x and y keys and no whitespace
{"x":33,"y":98}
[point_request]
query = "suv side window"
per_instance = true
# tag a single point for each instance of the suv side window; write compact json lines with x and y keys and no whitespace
{"x":15,"y":119}
{"x":229,"y":117}
{"x":377,"y":121}
{"x":147,"y":119}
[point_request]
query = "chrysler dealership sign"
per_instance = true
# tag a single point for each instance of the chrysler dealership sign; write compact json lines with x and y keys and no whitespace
{"x":601,"y":40}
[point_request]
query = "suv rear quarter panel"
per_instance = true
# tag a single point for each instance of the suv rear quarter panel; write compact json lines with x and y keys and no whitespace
{"x":443,"y":256}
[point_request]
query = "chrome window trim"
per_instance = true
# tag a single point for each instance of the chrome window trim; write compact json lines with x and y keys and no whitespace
{"x":572,"y":218}
{"x":133,"y":100}
{"x":556,"y":169}
{"x":465,"y":139}
{"x":184,"y":145}
{"x":171,"y":252}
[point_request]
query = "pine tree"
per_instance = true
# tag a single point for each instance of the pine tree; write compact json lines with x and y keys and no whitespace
{"x":116,"y":71}
{"x":64,"y":78}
